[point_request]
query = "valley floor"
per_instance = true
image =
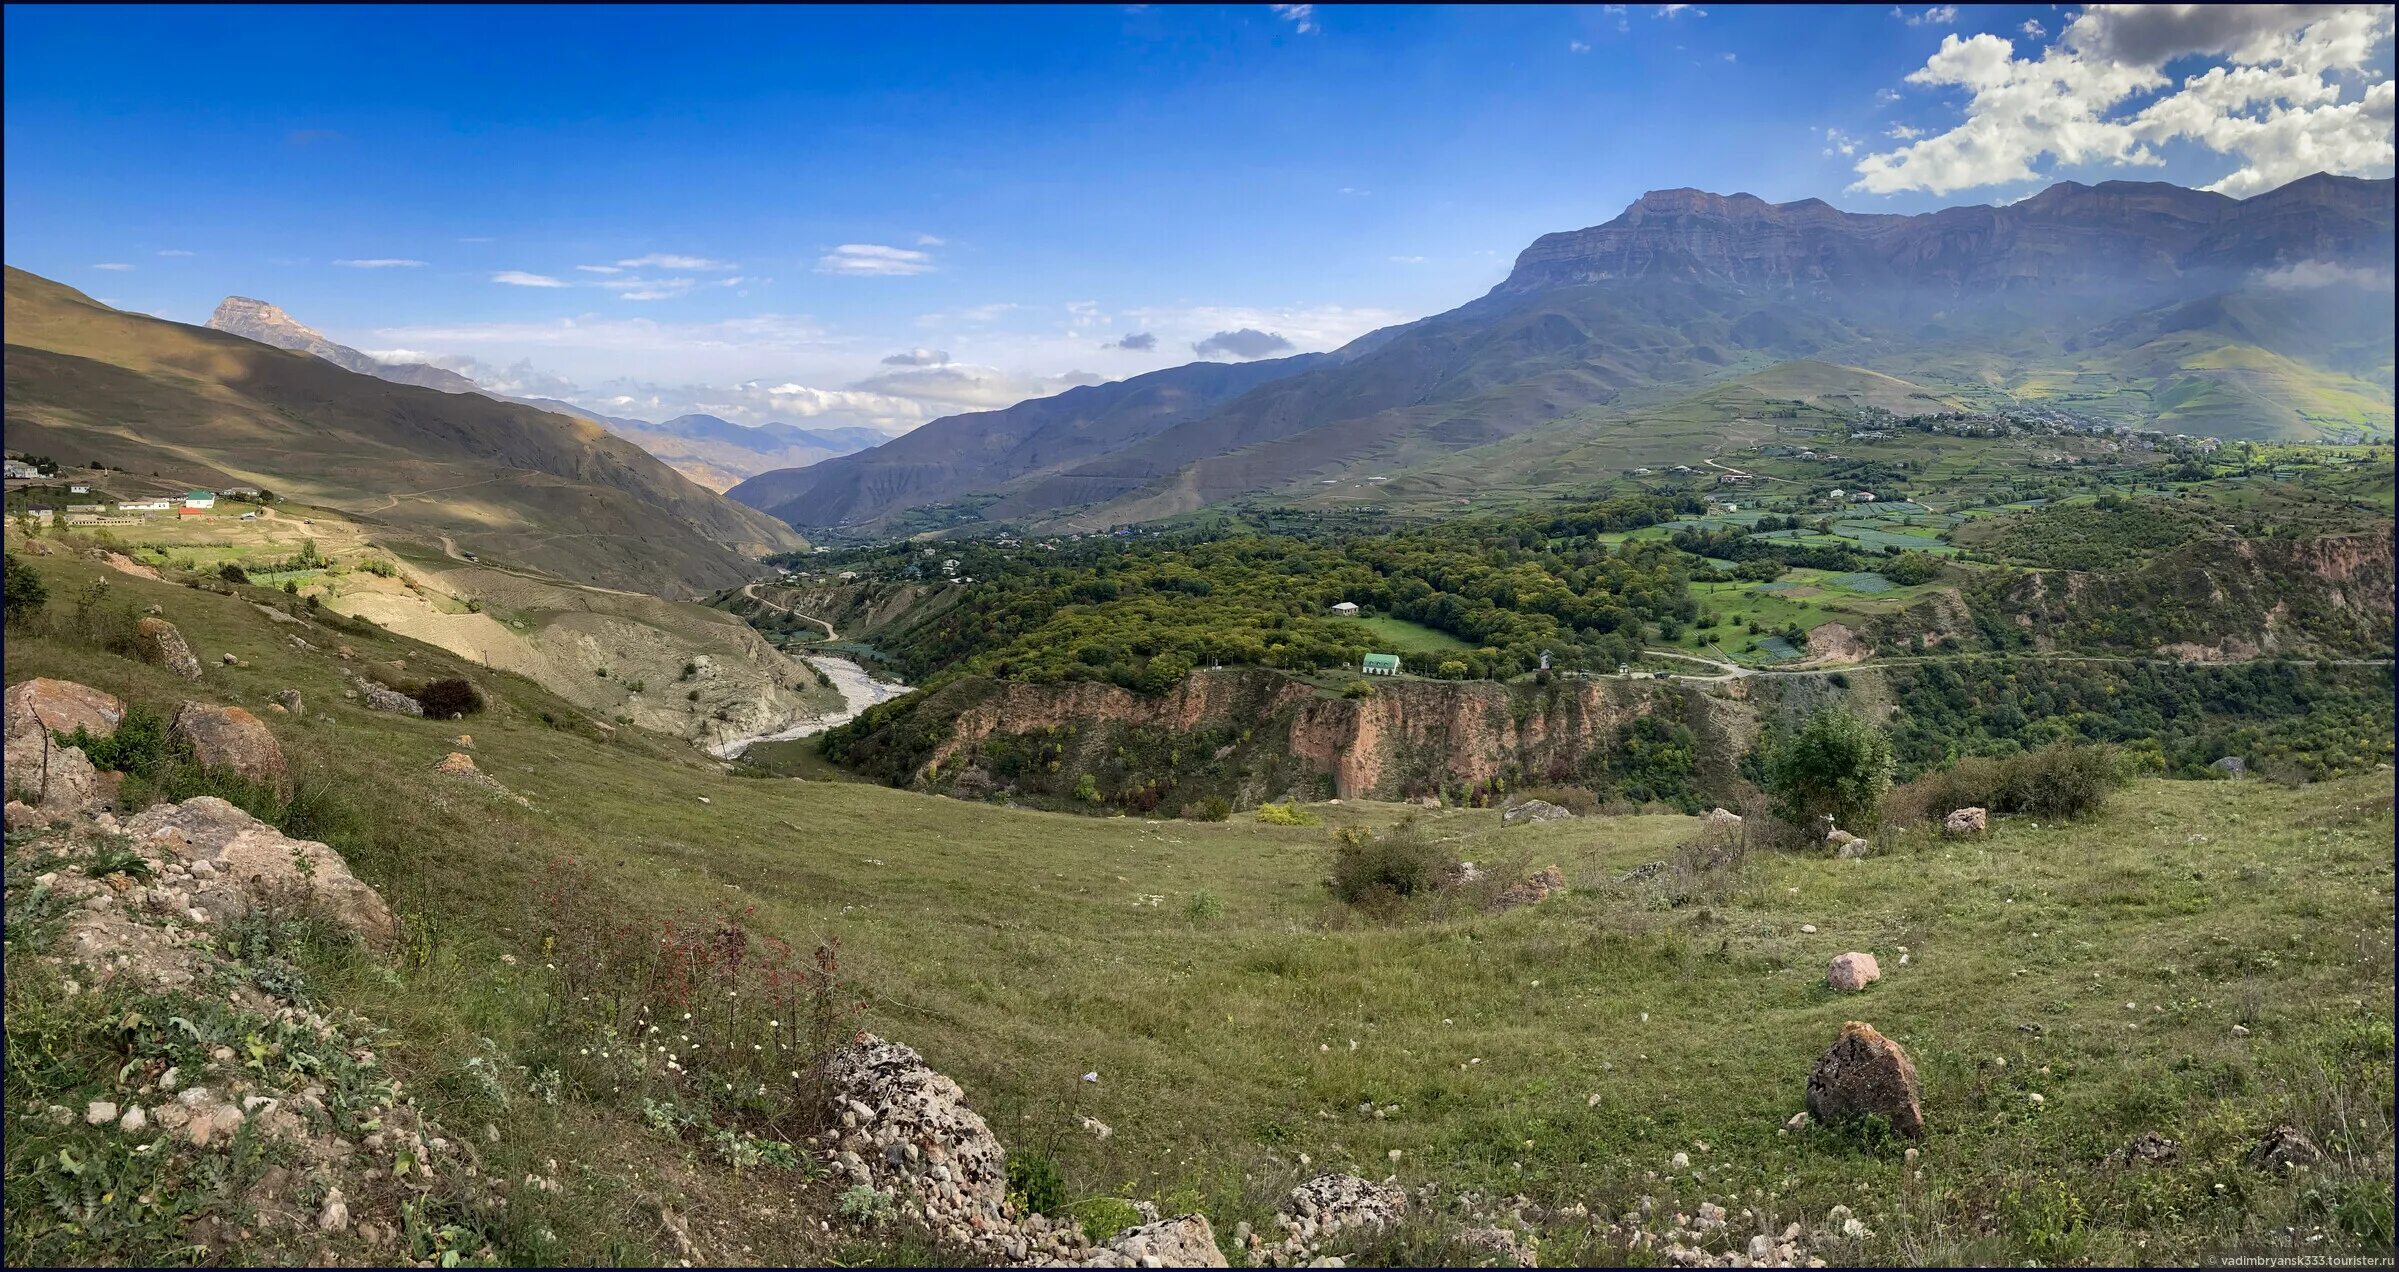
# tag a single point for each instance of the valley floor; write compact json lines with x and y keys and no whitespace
{"x":2204,"y":960}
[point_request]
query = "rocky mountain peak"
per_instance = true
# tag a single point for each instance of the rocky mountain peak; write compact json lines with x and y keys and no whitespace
{"x":266,"y":323}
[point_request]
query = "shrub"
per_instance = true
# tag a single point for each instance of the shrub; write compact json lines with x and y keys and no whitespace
{"x":1574,"y":799}
{"x":442,"y":699}
{"x":1838,"y":765}
{"x":1358,"y":689}
{"x":1205,"y":906}
{"x":1374,"y":871}
{"x":1288,"y":813}
{"x":24,"y":594}
{"x":1035,"y":1183}
{"x":1215,"y":808}
{"x":233,"y":573}
{"x":2062,"y":780}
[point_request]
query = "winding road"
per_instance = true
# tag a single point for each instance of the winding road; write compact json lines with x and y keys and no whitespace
{"x":751,"y":591}
{"x":1735,"y":671}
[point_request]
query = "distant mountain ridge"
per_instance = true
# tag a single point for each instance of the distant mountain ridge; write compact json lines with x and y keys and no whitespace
{"x":269,"y":325}
{"x":516,"y":483}
{"x":2259,"y":317}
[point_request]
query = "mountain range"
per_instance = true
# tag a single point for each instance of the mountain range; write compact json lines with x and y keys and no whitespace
{"x":89,"y":383}
{"x":2138,"y":302}
{"x":714,"y":452}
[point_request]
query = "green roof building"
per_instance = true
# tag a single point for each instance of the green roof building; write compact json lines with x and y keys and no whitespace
{"x":1380,"y":665}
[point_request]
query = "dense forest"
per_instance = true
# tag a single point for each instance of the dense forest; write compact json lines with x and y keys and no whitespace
{"x":1141,"y":611}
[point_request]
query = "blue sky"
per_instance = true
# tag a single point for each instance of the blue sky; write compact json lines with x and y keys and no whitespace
{"x":751,"y":211}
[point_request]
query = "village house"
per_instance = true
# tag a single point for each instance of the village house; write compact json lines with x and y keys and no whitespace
{"x":199,"y":499}
{"x":19,"y":470}
{"x":1346,"y":609}
{"x":1863,"y":496}
{"x":79,"y":488}
{"x":1379,"y":665}
{"x":145,"y":505}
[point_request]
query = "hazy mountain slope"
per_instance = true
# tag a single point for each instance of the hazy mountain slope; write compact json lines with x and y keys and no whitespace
{"x":720,"y":454}
{"x":268,"y":325}
{"x":523,"y":485}
{"x":963,"y":454}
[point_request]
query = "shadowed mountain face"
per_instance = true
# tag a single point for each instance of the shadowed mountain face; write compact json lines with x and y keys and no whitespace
{"x":521,"y":485}
{"x":2264,"y":317}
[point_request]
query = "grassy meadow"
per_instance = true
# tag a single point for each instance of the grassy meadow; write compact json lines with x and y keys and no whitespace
{"x":2062,"y":988}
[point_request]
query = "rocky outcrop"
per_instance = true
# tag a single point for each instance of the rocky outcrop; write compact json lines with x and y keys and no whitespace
{"x":233,"y":740}
{"x":1329,"y":1206}
{"x":1184,"y":1242}
{"x":243,"y":862}
{"x":908,"y":1130}
{"x":1963,"y":822}
{"x":1411,"y":738}
{"x":379,"y":698}
{"x":1864,"y":1074}
{"x":62,"y":706}
{"x":50,"y":779}
{"x":2284,"y":1149}
{"x":160,"y":642}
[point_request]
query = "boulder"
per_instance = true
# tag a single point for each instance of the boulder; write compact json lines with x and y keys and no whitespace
{"x":158,"y":641}
{"x":61,"y":706}
{"x":55,"y":781}
{"x":2284,"y":1148}
{"x":1534,"y":890}
{"x":232,"y":739}
{"x":1532,"y":810}
{"x":457,"y":764}
{"x":1966,"y":821}
{"x":1853,"y":849}
{"x":2231,"y":766}
{"x":1330,"y":1204}
{"x":1862,"y":1074}
{"x":289,"y":700}
{"x":1720,"y":817}
{"x":250,"y":861}
{"x":1852,"y":972}
{"x":22,"y":816}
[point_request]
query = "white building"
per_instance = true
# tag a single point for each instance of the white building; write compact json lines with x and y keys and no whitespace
{"x":20,"y":470}
{"x":1346,"y":609}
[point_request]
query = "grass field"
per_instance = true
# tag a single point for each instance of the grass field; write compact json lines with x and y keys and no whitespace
{"x":1399,"y":636}
{"x":1239,"y":1021}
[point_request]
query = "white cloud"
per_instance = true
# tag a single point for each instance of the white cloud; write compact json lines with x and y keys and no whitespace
{"x":931,"y":240}
{"x":1407,"y":260}
{"x":917,"y":357}
{"x":2308,"y":275}
{"x":2289,"y":95}
{"x":1837,"y":142}
{"x":1302,"y":17}
{"x":970,"y":314}
{"x":1885,"y":96}
{"x":874,"y":259}
{"x":175,"y":251}
{"x":1901,"y":132}
{"x":1731,"y":58}
{"x":2033,"y":28}
{"x":601,"y":269}
{"x":1577,"y":46}
{"x":1677,"y":10}
{"x":967,"y":387}
{"x":519,"y":278}
{"x":115,"y":267}
{"x":1938,"y":15}
{"x":382,"y":262}
{"x":664,"y":260}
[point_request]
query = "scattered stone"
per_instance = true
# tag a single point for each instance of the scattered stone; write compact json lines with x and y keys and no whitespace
{"x":61,"y":706}
{"x":1720,"y":818}
{"x":1865,"y":1073}
{"x":2149,"y":1148}
{"x":2240,"y":1031}
{"x":1502,"y":1244}
{"x":22,"y":816}
{"x":1966,"y":821}
{"x":289,"y":700}
{"x":1183,"y":1242}
{"x":232,"y":739}
{"x":2284,"y":1149}
{"x":99,"y":1113}
{"x":1463,"y":872}
{"x":1852,"y":972}
{"x":1532,"y":810}
{"x":1535,"y":889}
{"x":1330,"y":1204}
{"x":379,"y":698}
{"x":336,"y":1214}
{"x":464,"y":741}
{"x":1853,"y":850}
{"x":457,"y":764}
{"x":158,"y":641}
{"x":228,"y":659}
{"x":134,"y":1120}
{"x":1429,"y":801}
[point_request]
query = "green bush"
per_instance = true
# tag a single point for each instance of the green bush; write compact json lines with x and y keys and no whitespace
{"x":442,"y":699}
{"x":1035,"y":1183}
{"x":25,"y":593}
{"x":1215,"y":808}
{"x":1838,"y":765}
{"x":1288,"y":813}
{"x":1377,"y":870}
{"x":2063,"y":780}
{"x":233,"y":573}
